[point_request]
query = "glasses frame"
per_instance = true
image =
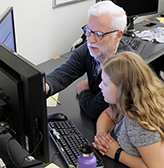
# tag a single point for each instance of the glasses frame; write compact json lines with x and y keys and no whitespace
{"x":98,"y":37}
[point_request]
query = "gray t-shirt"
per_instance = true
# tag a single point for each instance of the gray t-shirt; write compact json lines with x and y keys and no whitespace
{"x":131,"y":135}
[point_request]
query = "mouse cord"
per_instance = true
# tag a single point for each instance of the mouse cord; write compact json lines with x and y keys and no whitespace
{"x":54,"y":157}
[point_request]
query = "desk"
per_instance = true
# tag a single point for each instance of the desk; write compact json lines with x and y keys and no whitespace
{"x":152,"y":50}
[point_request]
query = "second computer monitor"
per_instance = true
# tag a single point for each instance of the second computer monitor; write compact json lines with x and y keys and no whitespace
{"x":135,"y":8}
{"x":7,"y":29}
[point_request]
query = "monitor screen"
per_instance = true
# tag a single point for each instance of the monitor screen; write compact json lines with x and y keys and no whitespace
{"x":138,"y":7}
{"x":7,"y":29}
{"x":22,"y":91}
{"x":135,"y":8}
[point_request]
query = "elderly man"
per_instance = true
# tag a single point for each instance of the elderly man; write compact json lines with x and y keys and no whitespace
{"x":105,"y":25}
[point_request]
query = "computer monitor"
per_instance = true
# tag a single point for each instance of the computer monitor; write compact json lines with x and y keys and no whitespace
{"x":135,"y":8}
{"x":7,"y":29}
{"x":23,"y":102}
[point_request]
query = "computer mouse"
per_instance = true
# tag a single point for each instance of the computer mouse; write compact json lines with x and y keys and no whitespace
{"x":57,"y":117}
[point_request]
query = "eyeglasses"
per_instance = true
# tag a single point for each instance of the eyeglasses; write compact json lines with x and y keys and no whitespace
{"x":99,"y":35}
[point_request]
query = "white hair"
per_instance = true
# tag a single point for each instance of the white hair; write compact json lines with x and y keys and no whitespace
{"x":117,"y":14}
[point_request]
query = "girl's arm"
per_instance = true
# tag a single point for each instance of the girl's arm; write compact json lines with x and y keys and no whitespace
{"x":151,"y":157}
{"x":104,"y":122}
{"x":104,"y":126}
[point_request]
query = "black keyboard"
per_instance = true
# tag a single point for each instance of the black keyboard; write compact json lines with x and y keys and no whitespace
{"x":136,"y":43}
{"x":67,"y":138}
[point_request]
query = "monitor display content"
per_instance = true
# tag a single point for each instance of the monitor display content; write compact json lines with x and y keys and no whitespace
{"x":7,"y":29}
{"x":23,"y":102}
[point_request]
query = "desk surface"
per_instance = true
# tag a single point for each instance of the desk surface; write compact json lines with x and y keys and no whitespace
{"x":152,"y":50}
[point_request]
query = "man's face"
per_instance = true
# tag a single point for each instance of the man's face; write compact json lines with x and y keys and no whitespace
{"x":99,"y":49}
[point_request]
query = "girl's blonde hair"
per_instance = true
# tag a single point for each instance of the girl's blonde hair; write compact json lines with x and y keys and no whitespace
{"x":140,"y":92}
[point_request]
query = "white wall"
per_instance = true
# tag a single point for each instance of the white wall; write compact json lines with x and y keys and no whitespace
{"x":43,"y":32}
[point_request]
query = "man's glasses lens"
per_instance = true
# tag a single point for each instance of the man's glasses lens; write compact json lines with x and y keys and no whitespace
{"x":89,"y":32}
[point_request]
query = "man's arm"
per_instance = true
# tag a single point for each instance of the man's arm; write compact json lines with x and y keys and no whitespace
{"x":67,"y":73}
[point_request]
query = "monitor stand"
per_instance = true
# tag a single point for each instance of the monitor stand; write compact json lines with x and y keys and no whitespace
{"x":130,"y":27}
{"x":17,"y":154}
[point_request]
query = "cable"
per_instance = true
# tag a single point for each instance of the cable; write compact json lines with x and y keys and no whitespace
{"x":41,"y":138}
{"x":54,"y":157}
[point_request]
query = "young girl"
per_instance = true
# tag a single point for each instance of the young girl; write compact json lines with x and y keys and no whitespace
{"x":136,"y":112}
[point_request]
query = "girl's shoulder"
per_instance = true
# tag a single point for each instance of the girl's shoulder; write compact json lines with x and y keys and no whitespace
{"x":139,"y":135}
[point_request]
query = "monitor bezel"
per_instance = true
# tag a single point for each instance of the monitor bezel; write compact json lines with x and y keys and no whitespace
{"x":35,"y":109}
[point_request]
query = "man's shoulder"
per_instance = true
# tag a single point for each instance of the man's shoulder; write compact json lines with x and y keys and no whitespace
{"x":82,"y":47}
{"x":81,"y":54}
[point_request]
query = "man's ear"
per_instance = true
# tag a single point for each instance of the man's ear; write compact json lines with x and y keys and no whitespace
{"x":119,"y":35}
